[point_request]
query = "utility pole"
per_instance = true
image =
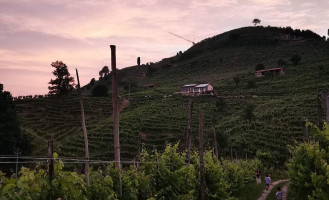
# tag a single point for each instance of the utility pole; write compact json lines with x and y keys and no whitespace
{"x":202,"y":178}
{"x":17,"y":153}
{"x":189,"y":132}
{"x":115,"y":109}
{"x":85,"y":136}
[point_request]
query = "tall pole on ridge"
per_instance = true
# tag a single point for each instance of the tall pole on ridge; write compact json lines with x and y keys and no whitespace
{"x":115,"y":110}
{"x":85,"y":137}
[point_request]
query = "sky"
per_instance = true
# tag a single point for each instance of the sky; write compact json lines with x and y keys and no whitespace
{"x":35,"y":33}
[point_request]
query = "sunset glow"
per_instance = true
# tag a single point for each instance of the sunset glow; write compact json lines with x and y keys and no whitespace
{"x":35,"y":33}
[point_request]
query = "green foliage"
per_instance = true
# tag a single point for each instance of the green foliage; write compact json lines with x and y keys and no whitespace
{"x":10,"y":132}
{"x":248,"y":112}
{"x":308,"y":168}
{"x":259,"y":66}
{"x":104,"y":72}
{"x":159,"y":176}
{"x":64,"y":83}
{"x":295,"y":59}
{"x":100,"y":91}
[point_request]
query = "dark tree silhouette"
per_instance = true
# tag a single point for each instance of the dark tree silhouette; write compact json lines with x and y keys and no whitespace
{"x":295,"y":59}
{"x":64,"y":83}
{"x":99,"y":91}
{"x":138,"y":61}
{"x":256,"y":21}
{"x":259,"y":66}
{"x":92,"y":82}
{"x":10,"y":133}
{"x":104,"y":72}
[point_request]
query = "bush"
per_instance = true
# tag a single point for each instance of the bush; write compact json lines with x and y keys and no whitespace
{"x":295,"y":59}
{"x":100,"y":91}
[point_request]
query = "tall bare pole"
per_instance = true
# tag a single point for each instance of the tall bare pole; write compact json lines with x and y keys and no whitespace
{"x":85,"y":136}
{"x":189,"y":132}
{"x":115,"y":109}
{"x":202,"y":178}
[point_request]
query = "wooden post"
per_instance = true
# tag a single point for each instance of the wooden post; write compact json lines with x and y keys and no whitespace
{"x":327,"y":105}
{"x":189,"y":132}
{"x":84,"y":129}
{"x":50,"y":160}
{"x":215,"y":140}
{"x":115,"y":113}
{"x":320,"y":114}
{"x":202,"y":178}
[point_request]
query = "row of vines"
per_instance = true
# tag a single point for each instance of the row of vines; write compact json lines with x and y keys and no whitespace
{"x":159,"y":176}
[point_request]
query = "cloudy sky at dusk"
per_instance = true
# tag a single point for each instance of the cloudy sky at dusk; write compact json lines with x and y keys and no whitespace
{"x":34,"y":33}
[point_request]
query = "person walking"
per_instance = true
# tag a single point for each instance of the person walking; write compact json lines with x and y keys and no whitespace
{"x":258,"y":179}
{"x":279,"y":194}
{"x":268,"y":181}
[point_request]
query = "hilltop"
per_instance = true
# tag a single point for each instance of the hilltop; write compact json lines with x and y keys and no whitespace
{"x":281,"y":103}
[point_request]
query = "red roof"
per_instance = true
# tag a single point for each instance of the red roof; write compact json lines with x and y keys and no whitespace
{"x":271,"y":69}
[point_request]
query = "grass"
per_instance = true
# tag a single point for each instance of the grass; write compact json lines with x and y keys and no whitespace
{"x":251,"y":191}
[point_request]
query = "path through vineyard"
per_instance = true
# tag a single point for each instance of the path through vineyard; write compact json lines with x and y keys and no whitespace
{"x":284,"y":190}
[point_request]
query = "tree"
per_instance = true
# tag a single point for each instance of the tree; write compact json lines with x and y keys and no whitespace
{"x":281,"y":63}
{"x":11,"y":136}
{"x":104,"y":72}
{"x":259,"y":66}
{"x":237,"y":80}
{"x":92,"y":82}
{"x":256,"y":21}
{"x":64,"y":83}
{"x":295,"y":59}
{"x":99,"y":91}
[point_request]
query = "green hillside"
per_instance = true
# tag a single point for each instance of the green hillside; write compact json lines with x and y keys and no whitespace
{"x":282,"y":103}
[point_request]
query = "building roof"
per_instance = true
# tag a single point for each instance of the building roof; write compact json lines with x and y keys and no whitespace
{"x":271,"y":69}
{"x":202,"y":85}
{"x":189,"y":85}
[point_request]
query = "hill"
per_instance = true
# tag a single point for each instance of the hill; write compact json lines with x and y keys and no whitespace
{"x":281,"y":103}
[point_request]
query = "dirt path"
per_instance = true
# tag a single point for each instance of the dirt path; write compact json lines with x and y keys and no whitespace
{"x":285,"y":191}
{"x":265,"y":192}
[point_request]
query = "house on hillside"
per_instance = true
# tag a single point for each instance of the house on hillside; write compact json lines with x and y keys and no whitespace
{"x":187,"y":89}
{"x":273,"y":71}
{"x":194,"y":89}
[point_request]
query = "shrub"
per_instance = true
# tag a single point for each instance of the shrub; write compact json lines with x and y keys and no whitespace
{"x":100,"y":91}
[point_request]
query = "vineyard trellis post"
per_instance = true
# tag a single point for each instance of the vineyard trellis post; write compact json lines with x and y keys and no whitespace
{"x":320,"y":112}
{"x":189,"y":132}
{"x":215,"y":152}
{"x":202,"y":178}
{"x":50,"y":160}
{"x":85,"y":136}
{"x":326,"y":95}
{"x":115,"y":113}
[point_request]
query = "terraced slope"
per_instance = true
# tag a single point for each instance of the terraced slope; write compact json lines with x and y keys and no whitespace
{"x":158,"y":116}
